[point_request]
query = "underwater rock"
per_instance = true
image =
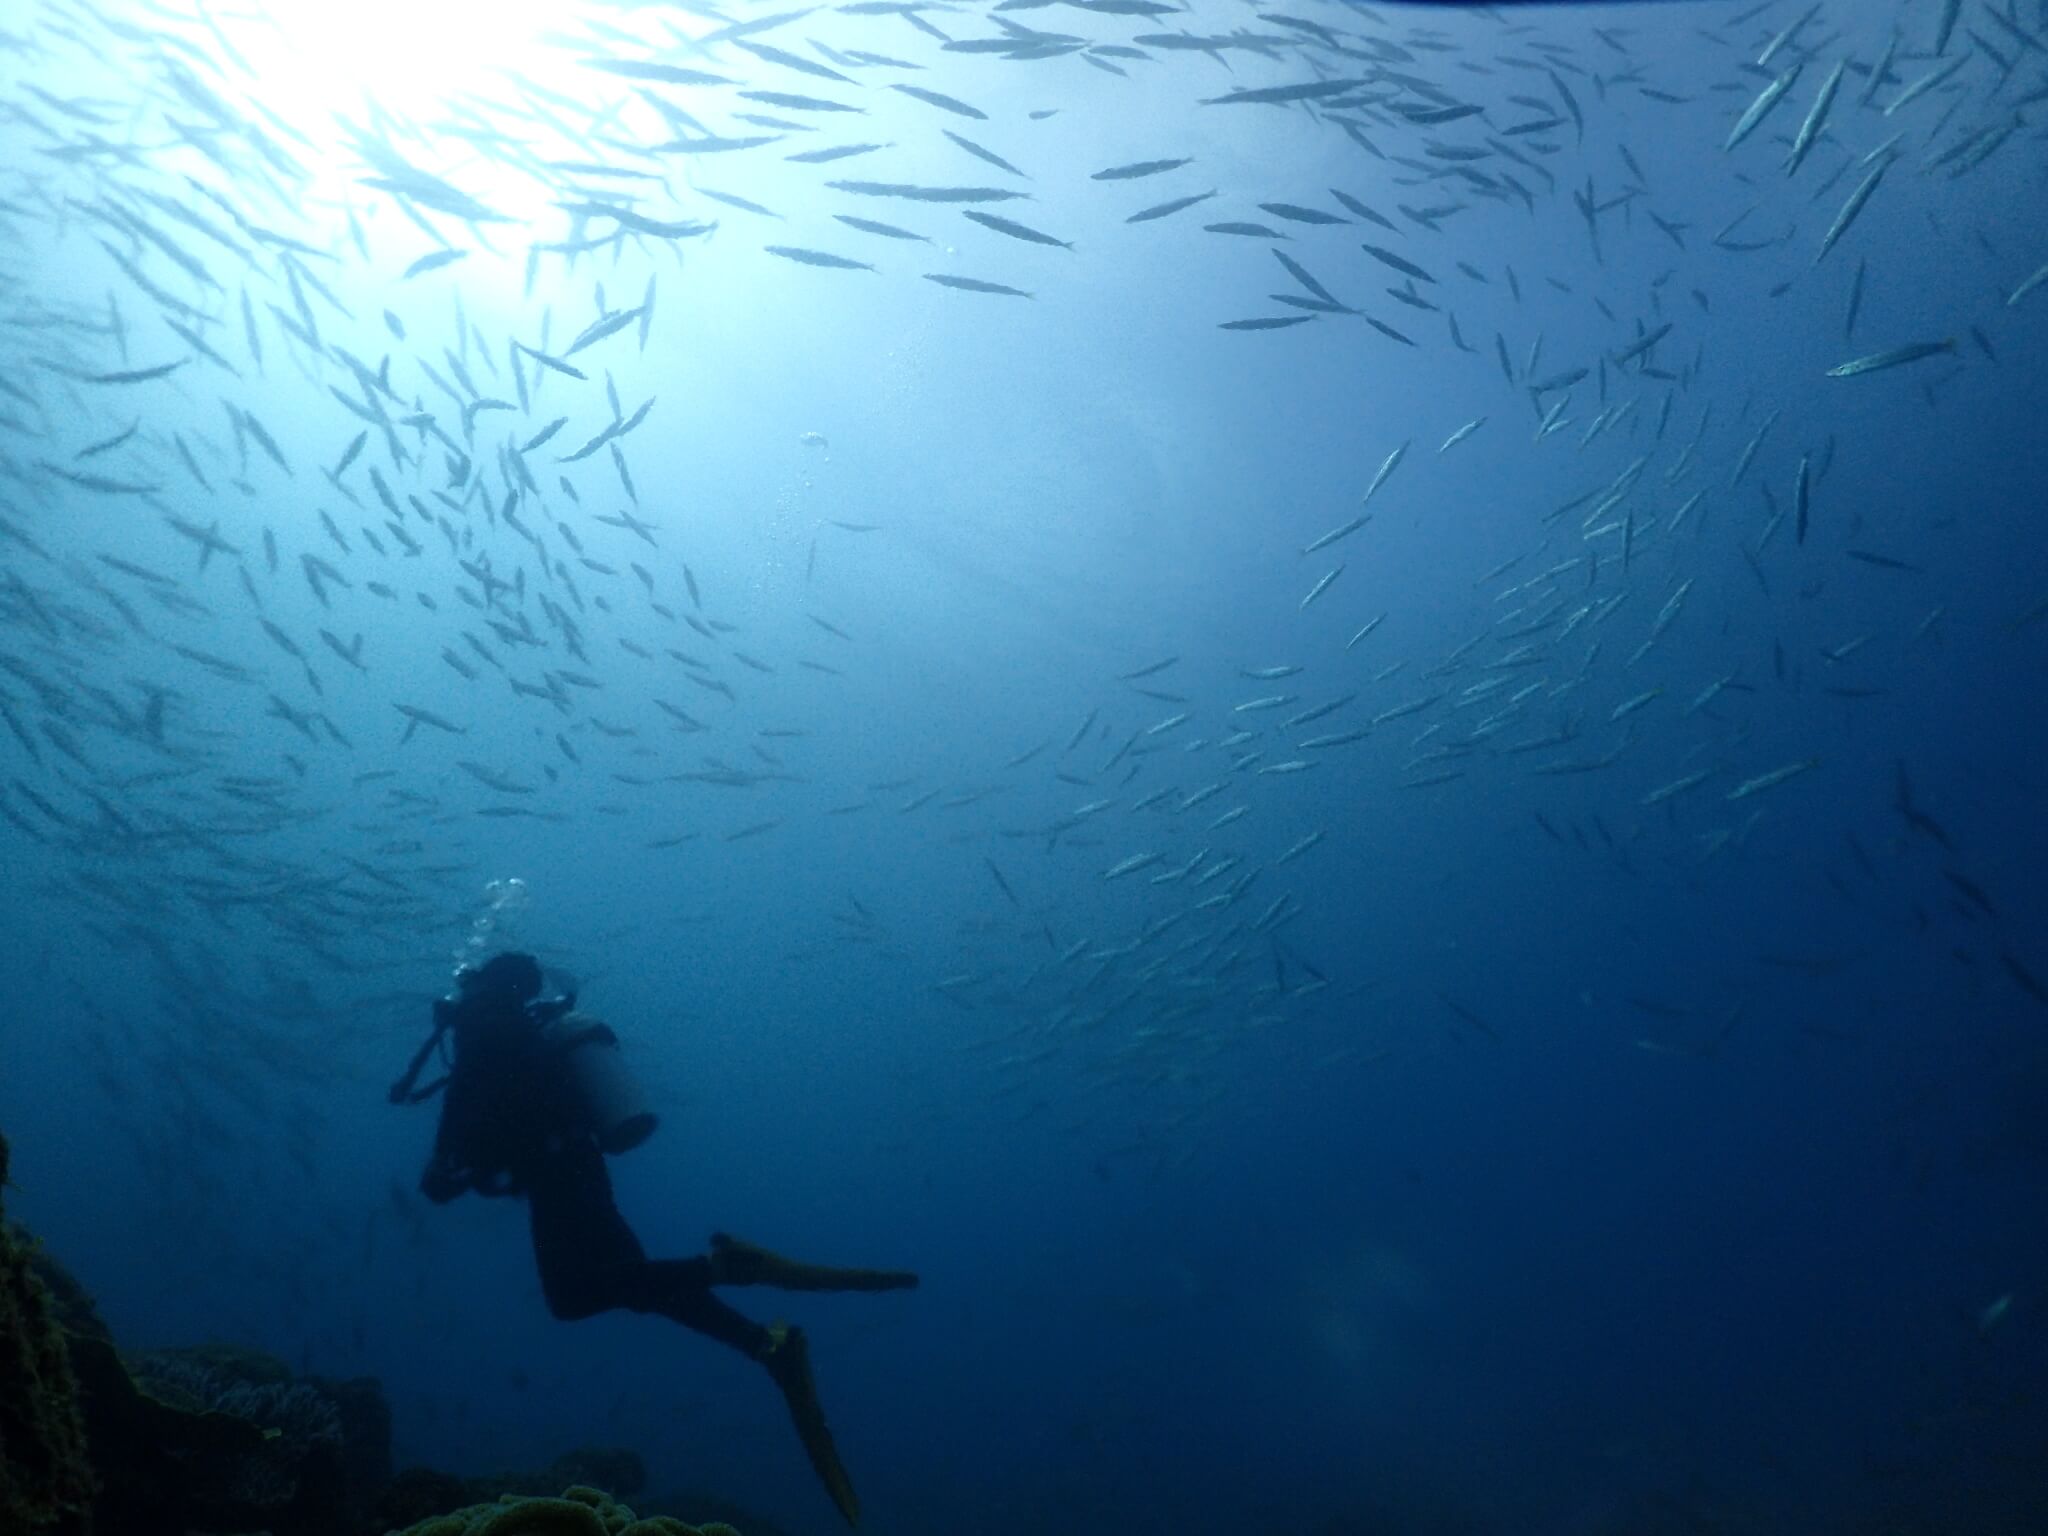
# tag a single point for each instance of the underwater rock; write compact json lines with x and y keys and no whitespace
{"x":365,"y":1437}
{"x":225,"y":1439}
{"x":235,"y":1479}
{"x":179,"y":1445}
{"x":228,"y":1364}
{"x":216,"y":1437}
{"x":45,"y":1477}
{"x":70,"y":1307}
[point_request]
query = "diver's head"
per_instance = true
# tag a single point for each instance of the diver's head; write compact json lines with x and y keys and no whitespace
{"x":509,"y":977}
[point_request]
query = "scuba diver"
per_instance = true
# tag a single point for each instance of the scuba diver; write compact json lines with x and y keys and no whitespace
{"x":534,"y":1098}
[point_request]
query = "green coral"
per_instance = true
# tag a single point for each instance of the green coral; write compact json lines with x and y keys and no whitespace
{"x":45,"y":1478}
{"x":543,"y":1517}
{"x":580,"y":1511}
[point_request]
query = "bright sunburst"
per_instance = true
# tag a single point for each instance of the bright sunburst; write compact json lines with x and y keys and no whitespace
{"x":333,"y":66}
{"x":405,"y":55}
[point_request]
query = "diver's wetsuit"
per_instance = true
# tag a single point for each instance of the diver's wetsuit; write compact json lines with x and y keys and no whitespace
{"x":505,"y":1130}
{"x":590,"y":1261}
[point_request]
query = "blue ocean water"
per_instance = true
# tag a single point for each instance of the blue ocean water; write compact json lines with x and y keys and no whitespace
{"x":1522,"y":1013}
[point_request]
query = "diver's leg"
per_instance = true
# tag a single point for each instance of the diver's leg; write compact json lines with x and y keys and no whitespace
{"x":680,"y":1289}
{"x":586,"y":1253}
{"x":591,"y":1262}
{"x":734,"y":1262}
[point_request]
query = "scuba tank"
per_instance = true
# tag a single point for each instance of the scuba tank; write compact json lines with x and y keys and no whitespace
{"x":605,"y":1099}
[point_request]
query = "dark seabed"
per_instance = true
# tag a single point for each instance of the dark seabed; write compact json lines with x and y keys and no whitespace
{"x":1338,"y":707}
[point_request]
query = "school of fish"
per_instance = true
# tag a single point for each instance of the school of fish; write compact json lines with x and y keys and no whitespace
{"x":264,"y":476}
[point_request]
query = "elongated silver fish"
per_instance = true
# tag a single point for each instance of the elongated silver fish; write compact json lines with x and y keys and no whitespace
{"x":1912,"y":352}
{"x":1758,"y":109}
{"x":1850,"y":209}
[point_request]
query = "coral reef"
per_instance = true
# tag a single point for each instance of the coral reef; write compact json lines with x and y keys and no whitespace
{"x":45,"y":1476}
{"x":365,"y":1436}
{"x":224,"y":1439}
{"x":620,"y":1473}
{"x":580,"y":1511}
{"x":701,"y":1507}
{"x":217,"y":1438}
{"x":419,"y":1492}
{"x":300,"y":1427}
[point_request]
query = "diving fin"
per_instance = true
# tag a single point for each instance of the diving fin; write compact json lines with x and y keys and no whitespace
{"x":789,"y":1362}
{"x":734,"y":1262}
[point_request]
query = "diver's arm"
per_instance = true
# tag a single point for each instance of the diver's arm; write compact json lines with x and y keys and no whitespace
{"x":443,"y":1181}
{"x":448,"y":1173}
{"x":444,"y":1177}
